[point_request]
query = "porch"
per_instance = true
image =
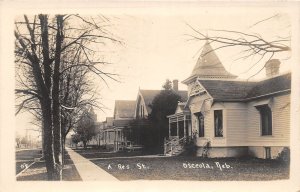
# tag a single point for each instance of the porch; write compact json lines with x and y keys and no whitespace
{"x":180,"y":125}
{"x":180,"y":133}
{"x":115,"y":137}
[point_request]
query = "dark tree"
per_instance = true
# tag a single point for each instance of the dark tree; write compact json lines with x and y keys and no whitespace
{"x":142,"y":132}
{"x":75,"y":138}
{"x":163,"y":104}
{"x":167,"y":85}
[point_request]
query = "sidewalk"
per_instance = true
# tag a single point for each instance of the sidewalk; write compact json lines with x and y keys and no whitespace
{"x":87,"y":170}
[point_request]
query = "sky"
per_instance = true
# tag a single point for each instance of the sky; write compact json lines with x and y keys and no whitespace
{"x":156,"y":46}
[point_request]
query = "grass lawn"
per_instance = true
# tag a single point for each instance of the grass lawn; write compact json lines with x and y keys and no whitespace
{"x":26,"y":157}
{"x":103,"y":153}
{"x":37,"y":172}
{"x":188,"y":168}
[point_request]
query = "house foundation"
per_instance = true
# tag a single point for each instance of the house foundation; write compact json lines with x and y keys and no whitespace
{"x":214,"y":152}
{"x":262,"y":152}
{"x":266,"y":152}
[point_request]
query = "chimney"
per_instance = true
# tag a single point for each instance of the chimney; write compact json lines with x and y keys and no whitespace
{"x":175,"y":85}
{"x":272,"y":67}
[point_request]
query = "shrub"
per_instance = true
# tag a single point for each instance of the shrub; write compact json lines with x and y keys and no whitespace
{"x":284,"y":155}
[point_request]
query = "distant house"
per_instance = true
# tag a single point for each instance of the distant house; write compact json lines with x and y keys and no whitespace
{"x":145,"y":98}
{"x":117,"y":127}
{"x":108,"y":131}
{"x":227,"y":117}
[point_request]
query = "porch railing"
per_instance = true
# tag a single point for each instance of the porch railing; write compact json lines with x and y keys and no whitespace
{"x":170,"y":146}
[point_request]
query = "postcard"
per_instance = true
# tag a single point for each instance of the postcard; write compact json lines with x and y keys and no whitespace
{"x":149,"y":96}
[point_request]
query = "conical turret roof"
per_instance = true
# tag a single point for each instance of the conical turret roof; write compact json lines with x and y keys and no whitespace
{"x":209,"y":65}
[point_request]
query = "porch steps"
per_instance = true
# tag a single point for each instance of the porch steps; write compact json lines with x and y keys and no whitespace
{"x":175,"y":146}
{"x":175,"y":152}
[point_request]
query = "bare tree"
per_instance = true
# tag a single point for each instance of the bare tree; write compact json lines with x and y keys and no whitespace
{"x":45,"y":49}
{"x":250,"y":44}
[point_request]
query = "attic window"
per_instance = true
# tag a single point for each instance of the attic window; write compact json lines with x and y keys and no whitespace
{"x":142,"y":111}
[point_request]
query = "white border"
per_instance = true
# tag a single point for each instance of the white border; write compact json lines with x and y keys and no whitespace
{"x":7,"y":156}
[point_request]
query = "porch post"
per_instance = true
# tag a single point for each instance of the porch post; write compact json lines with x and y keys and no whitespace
{"x":184,"y":131}
{"x":177,"y":127}
{"x":122,"y":134}
{"x":169,"y":127}
{"x":115,"y":140}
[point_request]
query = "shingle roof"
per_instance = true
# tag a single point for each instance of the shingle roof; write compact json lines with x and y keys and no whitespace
{"x":183,"y":95}
{"x":124,"y":108}
{"x":149,"y":95}
{"x":273,"y":85}
{"x":243,"y":90}
{"x":209,"y":65}
{"x":121,"y":122}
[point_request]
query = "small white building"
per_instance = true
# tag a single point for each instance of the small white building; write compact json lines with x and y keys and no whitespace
{"x":226,"y":117}
{"x":116,"y":128}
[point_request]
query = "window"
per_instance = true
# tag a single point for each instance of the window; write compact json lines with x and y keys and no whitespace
{"x":142,"y":111}
{"x":265,"y":119}
{"x":218,"y":119}
{"x":200,"y":119}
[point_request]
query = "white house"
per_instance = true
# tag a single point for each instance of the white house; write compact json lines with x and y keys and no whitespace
{"x":227,"y":117}
{"x":115,"y":128}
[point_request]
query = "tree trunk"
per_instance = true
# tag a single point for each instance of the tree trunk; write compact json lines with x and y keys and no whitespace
{"x":56,"y":102}
{"x":44,"y":86}
{"x":48,"y":138}
{"x":43,"y":140}
{"x":84,"y":144}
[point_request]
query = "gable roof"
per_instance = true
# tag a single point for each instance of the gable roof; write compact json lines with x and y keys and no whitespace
{"x":124,"y":109}
{"x":121,"y":122}
{"x":243,"y":90}
{"x":149,"y":95}
{"x":209,"y":65}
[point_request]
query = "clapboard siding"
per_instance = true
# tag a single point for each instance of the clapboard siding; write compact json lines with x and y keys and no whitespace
{"x":281,"y":124}
{"x":242,"y":123}
{"x":209,"y":134}
{"x":236,"y":127}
